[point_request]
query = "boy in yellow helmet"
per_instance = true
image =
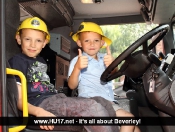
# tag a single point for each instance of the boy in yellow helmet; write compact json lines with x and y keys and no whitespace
{"x":43,"y":101}
{"x":85,"y":70}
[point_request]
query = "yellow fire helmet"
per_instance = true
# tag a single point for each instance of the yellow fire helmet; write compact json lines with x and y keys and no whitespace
{"x":34,"y":23}
{"x":92,"y":27}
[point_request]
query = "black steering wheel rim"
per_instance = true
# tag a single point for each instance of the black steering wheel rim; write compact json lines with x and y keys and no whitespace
{"x":163,"y":29}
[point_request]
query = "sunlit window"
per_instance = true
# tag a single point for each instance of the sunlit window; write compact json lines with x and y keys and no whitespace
{"x":174,"y":30}
{"x":122,"y":37}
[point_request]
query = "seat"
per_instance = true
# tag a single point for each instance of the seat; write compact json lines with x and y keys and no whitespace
{"x":163,"y":96}
{"x":12,"y":22}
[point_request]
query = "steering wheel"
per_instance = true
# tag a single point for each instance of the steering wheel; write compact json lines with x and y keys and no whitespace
{"x":138,"y":60}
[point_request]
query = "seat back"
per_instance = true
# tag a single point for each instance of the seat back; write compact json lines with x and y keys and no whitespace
{"x":12,"y":48}
{"x":11,"y":24}
{"x":160,"y":97}
{"x":163,"y":96}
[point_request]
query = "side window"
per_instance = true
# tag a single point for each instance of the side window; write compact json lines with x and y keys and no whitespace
{"x":174,"y":30}
{"x":160,"y":47}
{"x":122,"y":37}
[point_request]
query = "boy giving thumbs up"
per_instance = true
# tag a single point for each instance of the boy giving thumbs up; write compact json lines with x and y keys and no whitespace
{"x":85,"y":69}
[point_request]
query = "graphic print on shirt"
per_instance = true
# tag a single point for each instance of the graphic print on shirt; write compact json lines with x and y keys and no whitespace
{"x":38,"y":77}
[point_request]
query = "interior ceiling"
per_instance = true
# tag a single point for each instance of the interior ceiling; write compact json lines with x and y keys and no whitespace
{"x":24,"y":14}
{"x":108,"y":8}
{"x":164,"y":10}
{"x":116,"y":11}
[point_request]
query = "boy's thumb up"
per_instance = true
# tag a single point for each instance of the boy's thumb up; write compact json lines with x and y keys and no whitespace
{"x":108,"y":51}
{"x":79,"y":53}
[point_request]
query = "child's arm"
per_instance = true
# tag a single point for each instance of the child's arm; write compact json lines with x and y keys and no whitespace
{"x":34,"y":110}
{"x":81,"y":63}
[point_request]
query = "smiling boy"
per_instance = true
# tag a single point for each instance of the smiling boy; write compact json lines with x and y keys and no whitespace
{"x":85,"y":69}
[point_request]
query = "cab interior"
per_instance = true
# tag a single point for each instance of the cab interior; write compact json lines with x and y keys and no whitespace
{"x":63,"y":18}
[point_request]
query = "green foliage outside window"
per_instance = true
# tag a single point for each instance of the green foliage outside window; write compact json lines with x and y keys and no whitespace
{"x":123,"y":36}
